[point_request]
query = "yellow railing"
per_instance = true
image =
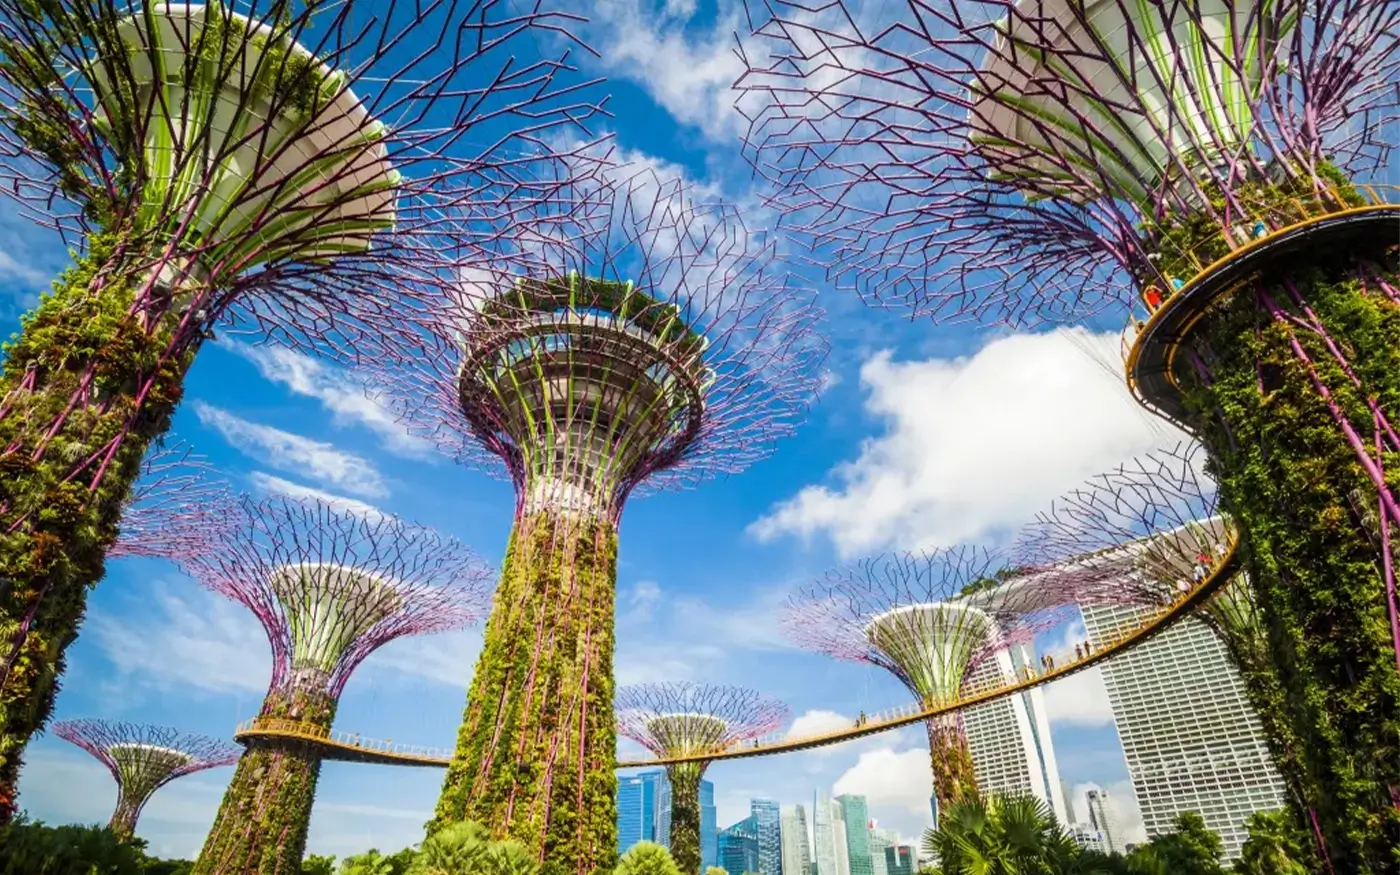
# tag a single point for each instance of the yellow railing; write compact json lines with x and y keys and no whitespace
{"x":343,"y":745}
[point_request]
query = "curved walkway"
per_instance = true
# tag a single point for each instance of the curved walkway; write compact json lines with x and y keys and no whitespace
{"x":350,"y":747}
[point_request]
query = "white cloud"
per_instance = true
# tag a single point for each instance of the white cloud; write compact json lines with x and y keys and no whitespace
{"x":1124,"y":816}
{"x":269,"y":484}
{"x":688,"y":70}
{"x":1080,"y":699}
{"x":337,"y":391}
{"x":974,"y":446}
{"x":885,"y":777}
{"x":190,"y":639}
{"x":291,"y":452}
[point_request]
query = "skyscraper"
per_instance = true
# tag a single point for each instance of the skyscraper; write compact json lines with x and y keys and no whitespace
{"x":881,"y":840}
{"x":797,"y":850}
{"x":1010,"y":737}
{"x":1101,"y":821}
{"x":855,"y":815}
{"x":637,"y":797}
{"x":900,"y":860}
{"x":767,"y":815}
{"x":829,"y":853}
{"x":1191,"y":740}
{"x":738,"y":847}
{"x":709,"y":838}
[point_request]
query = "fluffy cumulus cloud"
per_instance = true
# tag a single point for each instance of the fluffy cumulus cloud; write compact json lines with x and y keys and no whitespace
{"x":1124,"y":816}
{"x":296,"y":453}
{"x":891,"y":779}
{"x":972,"y":447}
{"x":686,"y":67}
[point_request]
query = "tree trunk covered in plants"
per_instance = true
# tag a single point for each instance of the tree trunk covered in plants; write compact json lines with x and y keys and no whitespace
{"x":1297,"y":381}
{"x":263,"y":820}
{"x":536,"y":752}
{"x":91,"y":379}
{"x":954,"y":780}
{"x":684,"y":779}
{"x":124,"y":817}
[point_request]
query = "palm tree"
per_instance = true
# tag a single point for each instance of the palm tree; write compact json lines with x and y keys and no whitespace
{"x":467,"y":849}
{"x":646,"y":858}
{"x":1007,"y":835}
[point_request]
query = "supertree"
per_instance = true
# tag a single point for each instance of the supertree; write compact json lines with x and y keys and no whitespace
{"x":142,"y":759}
{"x":329,"y":587}
{"x":654,"y":341}
{"x":278,"y":172}
{"x":930,"y":619}
{"x":1137,"y":536}
{"x":680,"y":719}
{"x":1042,"y":159}
{"x":176,"y":503}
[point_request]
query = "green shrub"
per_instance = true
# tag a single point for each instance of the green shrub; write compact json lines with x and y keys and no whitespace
{"x":646,"y":858}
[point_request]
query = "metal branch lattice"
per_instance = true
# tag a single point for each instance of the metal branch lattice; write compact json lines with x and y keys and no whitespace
{"x":176,"y":506}
{"x":143,"y":758}
{"x":1028,"y":160}
{"x":930,"y":619}
{"x":331,"y":586}
{"x":653,"y":338}
{"x":680,"y":718}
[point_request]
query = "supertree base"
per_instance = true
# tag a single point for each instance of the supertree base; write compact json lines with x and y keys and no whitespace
{"x":263,"y":821}
{"x":684,"y":779}
{"x":954,"y":780}
{"x":85,"y":387}
{"x":536,"y":752}
{"x":1289,"y":374}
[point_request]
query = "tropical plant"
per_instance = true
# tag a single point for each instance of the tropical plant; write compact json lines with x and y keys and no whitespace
{"x":647,"y":858}
{"x":717,"y":870}
{"x":315,"y":864}
{"x":1276,"y":846}
{"x":467,"y":849}
{"x":1006,"y":835}
{"x":1191,"y":849}
{"x":33,"y":848}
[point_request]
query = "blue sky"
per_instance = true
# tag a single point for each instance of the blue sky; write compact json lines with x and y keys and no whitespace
{"x":927,"y":436}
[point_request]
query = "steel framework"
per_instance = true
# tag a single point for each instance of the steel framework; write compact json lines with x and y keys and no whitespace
{"x":1046,"y":159}
{"x":175,"y":505}
{"x":685,"y":719}
{"x":142,"y":759}
{"x":279,"y":170}
{"x":329,"y":587}
{"x":930,"y":619}
{"x":652,"y":339}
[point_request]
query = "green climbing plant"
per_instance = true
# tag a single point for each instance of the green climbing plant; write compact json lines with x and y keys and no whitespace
{"x":536,"y":751}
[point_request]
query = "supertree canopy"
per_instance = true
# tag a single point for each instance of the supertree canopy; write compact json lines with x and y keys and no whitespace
{"x":329,"y":587}
{"x":677,"y":719}
{"x":1224,"y":164}
{"x":143,"y":759}
{"x":654,"y":340}
{"x":174,"y":506}
{"x":277,"y":171}
{"x":1138,"y":536}
{"x":930,"y":619}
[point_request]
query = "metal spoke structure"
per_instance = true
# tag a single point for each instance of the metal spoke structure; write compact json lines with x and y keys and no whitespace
{"x":143,"y":758}
{"x":1219,"y":173}
{"x":930,"y":619}
{"x":650,"y":340}
{"x":686,"y":719}
{"x":275,"y":168}
{"x":330,"y":587}
{"x":175,"y":505}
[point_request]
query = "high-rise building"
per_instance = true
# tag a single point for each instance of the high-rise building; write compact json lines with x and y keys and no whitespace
{"x":901,"y":860}
{"x":738,"y":847}
{"x":797,"y":850}
{"x":855,"y":815}
{"x":1101,"y":821}
{"x":637,"y":797}
{"x":1190,"y":738}
{"x":767,"y":815}
{"x":829,"y":855}
{"x":709,"y":838}
{"x":1068,"y":802}
{"x":1088,"y":838}
{"x":881,"y":840}
{"x":1010,"y":737}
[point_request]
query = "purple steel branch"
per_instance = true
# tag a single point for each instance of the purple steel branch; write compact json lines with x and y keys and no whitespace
{"x":833,"y":615}
{"x":898,"y":149}
{"x":1135,"y":535}
{"x":422,"y":582}
{"x":120,"y":747}
{"x":763,"y":361}
{"x":176,"y":506}
{"x":745,"y":714}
